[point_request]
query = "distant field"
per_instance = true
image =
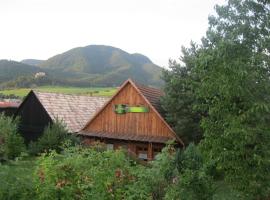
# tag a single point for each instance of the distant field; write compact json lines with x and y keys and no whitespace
{"x":65,"y":90}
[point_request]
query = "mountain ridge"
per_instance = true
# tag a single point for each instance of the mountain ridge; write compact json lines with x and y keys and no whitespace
{"x":96,"y":65}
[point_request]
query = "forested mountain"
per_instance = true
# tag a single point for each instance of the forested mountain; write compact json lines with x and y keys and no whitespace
{"x":94,"y":65}
{"x":11,"y":70}
{"x":32,"y":61}
{"x":104,"y":65}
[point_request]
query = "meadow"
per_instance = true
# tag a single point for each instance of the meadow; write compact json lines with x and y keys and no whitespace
{"x":94,"y":91}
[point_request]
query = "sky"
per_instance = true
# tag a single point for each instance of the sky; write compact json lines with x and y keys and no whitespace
{"x":40,"y":29}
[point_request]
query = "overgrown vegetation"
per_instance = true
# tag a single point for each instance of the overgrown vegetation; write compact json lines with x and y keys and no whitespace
{"x":223,"y":89}
{"x":94,"y":173}
{"x":11,"y":143}
{"x":55,"y":137}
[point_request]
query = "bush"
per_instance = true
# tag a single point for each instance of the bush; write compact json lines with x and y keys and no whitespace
{"x":11,"y":143}
{"x":16,"y":180}
{"x":53,"y":138}
{"x":84,"y":173}
{"x":192,"y":181}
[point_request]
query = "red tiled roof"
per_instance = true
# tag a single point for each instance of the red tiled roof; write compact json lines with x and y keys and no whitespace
{"x":73,"y":110}
{"x":129,"y":137}
{"x":4,"y":104}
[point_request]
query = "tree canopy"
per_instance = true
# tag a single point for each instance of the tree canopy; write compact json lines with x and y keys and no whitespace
{"x":224,"y":84}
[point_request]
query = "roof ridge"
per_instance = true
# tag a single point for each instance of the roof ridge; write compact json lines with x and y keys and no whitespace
{"x":64,"y":94}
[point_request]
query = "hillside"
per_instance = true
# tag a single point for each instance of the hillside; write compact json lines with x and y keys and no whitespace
{"x":94,"y":65}
{"x":103,"y":65}
{"x":31,"y":61}
{"x":10,"y":70}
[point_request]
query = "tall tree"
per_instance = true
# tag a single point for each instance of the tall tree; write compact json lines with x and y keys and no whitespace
{"x":180,"y":97}
{"x":234,"y":91}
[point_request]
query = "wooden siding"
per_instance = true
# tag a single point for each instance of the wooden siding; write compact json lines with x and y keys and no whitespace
{"x":147,"y":124}
{"x":133,"y":148}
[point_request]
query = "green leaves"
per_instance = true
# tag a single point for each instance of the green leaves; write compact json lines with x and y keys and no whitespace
{"x":235,"y":93}
{"x":11,"y":143}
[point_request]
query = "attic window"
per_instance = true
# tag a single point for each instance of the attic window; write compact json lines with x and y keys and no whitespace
{"x":123,"y":109}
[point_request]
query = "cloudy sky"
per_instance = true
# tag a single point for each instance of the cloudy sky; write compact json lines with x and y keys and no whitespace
{"x":156,"y":28}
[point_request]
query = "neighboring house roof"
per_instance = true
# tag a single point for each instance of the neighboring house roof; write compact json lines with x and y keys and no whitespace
{"x":5,"y":104}
{"x":152,"y":97}
{"x":73,"y":110}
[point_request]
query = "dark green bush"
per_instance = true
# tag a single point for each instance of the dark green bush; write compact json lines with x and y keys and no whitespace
{"x":11,"y":143}
{"x":192,"y":180}
{"x":16,"y":180}
{"x":53,"y":138}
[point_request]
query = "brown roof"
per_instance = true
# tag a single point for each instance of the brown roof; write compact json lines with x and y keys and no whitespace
{"x":153,"y":95}
{"x":129,"y":137}
{"x":73,"y":110}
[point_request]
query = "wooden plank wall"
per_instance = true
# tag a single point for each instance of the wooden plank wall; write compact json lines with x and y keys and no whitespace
{"x":130,"y":123}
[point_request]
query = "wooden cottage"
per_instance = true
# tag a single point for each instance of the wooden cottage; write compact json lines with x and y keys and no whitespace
{"x":39,"y":109}
{"x":131,"y":119}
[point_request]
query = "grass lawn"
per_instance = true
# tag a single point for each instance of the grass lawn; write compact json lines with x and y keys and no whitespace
{"x":21,"y":92}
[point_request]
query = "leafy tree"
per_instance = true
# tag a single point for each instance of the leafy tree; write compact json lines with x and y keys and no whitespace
{"x":180,"y":97}
{"x":234,"y":91}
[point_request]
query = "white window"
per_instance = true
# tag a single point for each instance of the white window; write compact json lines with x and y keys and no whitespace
{"x":109,"y":146}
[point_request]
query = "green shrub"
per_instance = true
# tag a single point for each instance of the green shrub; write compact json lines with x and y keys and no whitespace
{"x":192,"y":180}
{"x":16,"y":180}
{"x":11,"y":143}
{"x":53,"y":138}
{"x":84,"y":173}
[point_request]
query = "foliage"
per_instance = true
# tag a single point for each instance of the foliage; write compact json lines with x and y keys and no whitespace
{"x":226,"y":80}
{"x":93,"y":173}
{"x":84,"y":173}
{"x":192,"y":180}
{"x":179,"y":97}
{"x":16,"y":180}
{"x":233,"y":92}
{"x":53,"y":138}
{"x":11,"y":143}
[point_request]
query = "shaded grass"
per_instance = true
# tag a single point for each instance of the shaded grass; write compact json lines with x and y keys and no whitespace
{"x":21,"y":92}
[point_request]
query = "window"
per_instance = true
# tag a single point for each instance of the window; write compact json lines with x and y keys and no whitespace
{"x":142,"y":152}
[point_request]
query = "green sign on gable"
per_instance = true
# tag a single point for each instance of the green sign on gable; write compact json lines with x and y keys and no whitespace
{"x":122,"y":109}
